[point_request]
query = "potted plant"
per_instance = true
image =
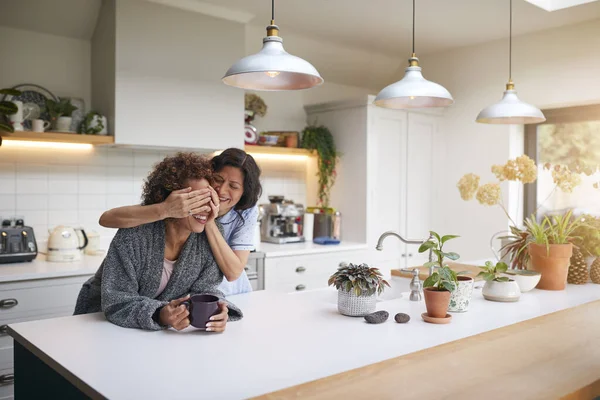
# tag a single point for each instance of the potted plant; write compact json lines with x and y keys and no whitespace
{"x":358,"y":287}
{"x":7,"y":108}
{"x":319,"y":138}
{"x":94,"y":123}
{"x":60,"y":114}
{"x":498,"y":287}
{"x":551,"y":248}
{"x":439,"y":285}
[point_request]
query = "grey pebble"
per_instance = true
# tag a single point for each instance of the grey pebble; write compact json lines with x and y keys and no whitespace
{"x":377,"y":317}
{"x":402,"y":318}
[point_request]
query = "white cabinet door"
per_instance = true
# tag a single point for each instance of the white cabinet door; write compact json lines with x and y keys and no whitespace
{"x":420,"y":181}
{"x":387,"y":172}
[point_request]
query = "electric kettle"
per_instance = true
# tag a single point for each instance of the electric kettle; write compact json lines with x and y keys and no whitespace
{"x":64,"y":244}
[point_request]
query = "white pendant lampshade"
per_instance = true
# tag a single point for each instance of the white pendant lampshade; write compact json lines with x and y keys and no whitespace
{"x":413,"y":91}
{"x":511,"y":110}
{"x":272,"y":68}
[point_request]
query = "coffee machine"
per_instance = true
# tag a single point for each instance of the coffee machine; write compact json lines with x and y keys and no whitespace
{"x":283,"y":221}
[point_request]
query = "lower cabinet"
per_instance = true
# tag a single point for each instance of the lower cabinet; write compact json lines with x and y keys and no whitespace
{"x":27,"y":301}
{"x":297,"y":273}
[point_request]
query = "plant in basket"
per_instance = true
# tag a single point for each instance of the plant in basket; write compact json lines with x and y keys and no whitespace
{"x":358,"y":287}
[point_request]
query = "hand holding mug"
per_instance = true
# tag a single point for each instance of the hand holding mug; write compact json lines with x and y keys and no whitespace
{"x":175,"y":314}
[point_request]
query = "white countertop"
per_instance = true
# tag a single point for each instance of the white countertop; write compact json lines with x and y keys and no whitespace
{"x":42,"y":269}
{"x":283,"y":340}
{"x":306,"y":248}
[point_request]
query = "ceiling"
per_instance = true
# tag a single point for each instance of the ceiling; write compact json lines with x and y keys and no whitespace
{"x":382,"y":26}
{"x":385,"y":25}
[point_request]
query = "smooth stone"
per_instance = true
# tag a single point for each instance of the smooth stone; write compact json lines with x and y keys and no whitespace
{"x":377,"y":317}
{"x":402,"y":318}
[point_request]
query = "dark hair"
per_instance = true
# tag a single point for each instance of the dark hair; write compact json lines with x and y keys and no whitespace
{"x":240,"y":159}
{"x":172,"y":173}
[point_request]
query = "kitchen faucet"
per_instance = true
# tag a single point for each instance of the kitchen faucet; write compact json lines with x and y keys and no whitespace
{"x":392,"y":233}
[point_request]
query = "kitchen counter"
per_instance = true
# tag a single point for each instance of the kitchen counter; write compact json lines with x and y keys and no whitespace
{"x":306,"y":248}
{"x":40,"y":268}
{"x":289,"y":339}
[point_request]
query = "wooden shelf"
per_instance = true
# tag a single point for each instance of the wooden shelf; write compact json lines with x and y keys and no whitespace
{"x":256,"y":149}
{"x":58,"y":137}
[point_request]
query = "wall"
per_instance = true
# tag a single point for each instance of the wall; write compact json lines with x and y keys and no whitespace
{"x":60,"y":64}
{"x":553,"y":68}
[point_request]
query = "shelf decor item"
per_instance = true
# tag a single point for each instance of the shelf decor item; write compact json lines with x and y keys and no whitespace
{"x":272,"y":68}
{"x":439,"y":286}
{"x":33,"y":98}
{"x":8,"y":108}
{"x":94,"y":123}
{"x":498,"y":287}
{"x":358,"y":287}
{"x":254,"y":106}
{"x":60,"y":114}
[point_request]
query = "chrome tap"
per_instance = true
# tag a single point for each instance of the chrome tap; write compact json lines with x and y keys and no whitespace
{"x":415,"y":285}
{"x":392,"y":233}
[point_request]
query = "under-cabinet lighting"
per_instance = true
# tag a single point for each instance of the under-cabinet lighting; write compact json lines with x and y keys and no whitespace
{"x":553,"y":5}
{"x":9,"y":143}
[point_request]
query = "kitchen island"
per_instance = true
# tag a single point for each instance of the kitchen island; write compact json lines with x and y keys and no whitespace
{"x":287,"y":340}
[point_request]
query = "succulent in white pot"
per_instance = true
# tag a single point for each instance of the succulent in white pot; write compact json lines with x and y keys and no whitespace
{"x":358,"y":287}
{"x":498,"y":287}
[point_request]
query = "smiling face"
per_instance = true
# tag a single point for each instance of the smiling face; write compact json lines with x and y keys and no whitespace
{"x":196,"y":222}
{"x":230,"y":188}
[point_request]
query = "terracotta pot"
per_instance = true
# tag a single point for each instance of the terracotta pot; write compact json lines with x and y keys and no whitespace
{"x":553,"y":263}
{"x":436,"y":302}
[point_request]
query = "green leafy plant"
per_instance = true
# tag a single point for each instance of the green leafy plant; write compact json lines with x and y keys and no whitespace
{"x":561,"y":228}
{"x":86,"y":124}
{"x":7,"y":108}
{"x":444,"y":278}
{"x":362,"y":279}
{"x":587,"y":235}
{"x":256,"y":104}
{"x":319,"y":138}
{"x":492,"y":272}
{"x":62,"y":108}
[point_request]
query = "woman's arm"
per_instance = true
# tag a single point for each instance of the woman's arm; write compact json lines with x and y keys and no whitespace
{"x":177,"y":205}
{"x":231,"y":262}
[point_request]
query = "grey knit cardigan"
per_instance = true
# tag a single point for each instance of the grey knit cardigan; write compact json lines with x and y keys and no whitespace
{"x":125,"y":285}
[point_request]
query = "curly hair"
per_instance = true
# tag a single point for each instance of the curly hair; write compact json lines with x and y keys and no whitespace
{"x":172,"y":173}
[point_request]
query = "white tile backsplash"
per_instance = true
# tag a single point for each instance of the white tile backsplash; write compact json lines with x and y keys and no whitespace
{"x":53,"y":187}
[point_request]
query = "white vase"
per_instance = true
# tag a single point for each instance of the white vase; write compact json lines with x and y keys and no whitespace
{"x":461,"y":297}
{"x":356,"y":306}
{"x":501,"y":291}
{"x":63,"y":124}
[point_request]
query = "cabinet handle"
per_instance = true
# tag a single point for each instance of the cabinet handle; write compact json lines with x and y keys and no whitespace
{"x":300,"y":287}
{"x":3,"y":329}
{"x":8,"y":303}
{"x":7,"y":379}
{"x":403,"y":255}
{"x":410,"y":254}
{"x":300,"y":269}
{"x":246,"y":269}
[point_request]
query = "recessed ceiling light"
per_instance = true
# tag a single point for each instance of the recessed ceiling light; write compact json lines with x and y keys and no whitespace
{"x":553,"y":5}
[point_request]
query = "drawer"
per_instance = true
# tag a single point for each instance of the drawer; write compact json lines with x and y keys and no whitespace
{"x":38,"y":297}
{"x":6,"y":358}
{"x":306,"y":268}
{"x":7,"y":389}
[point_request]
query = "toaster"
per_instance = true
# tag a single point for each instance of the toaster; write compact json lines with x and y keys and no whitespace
{"x":17,"y":242}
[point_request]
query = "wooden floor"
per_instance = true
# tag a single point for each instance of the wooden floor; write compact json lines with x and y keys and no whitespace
{"x":553,"y":356}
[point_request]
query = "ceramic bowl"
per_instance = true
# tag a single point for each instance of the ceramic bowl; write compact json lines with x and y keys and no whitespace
{"x":268,"y":140}
{"x":526,"y":279}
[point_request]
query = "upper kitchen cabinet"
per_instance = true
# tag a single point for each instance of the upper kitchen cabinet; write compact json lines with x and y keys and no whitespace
{"x":156,"y":74}
{"x":386,"y":178}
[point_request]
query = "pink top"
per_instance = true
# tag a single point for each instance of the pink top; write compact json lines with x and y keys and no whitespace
{"x":166,"y":275}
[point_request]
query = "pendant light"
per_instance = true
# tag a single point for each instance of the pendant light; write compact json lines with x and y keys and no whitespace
{"x":510,"y":110}
{"x":413,"y":91}
{"x":272,"y":68}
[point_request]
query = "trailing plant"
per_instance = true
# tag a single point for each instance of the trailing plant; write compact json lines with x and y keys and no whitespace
{"x":7,"y":108}
{"x":587,"y":235}
{"x":444,"y":279}
{"x":362,"y":279}
{"x":319,"y":138}
{"x":86,"y":124}
{"x":62,"y":108}
{"x":492,"y":272}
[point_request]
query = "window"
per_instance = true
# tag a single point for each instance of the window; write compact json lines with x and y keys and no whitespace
{"x":571,"y":137}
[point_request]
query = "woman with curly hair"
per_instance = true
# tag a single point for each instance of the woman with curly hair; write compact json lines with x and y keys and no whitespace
{"x":151,"y":269}
{"x":236,"y":191}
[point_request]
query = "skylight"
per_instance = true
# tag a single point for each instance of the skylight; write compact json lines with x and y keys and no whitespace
{"x":553,"y":5}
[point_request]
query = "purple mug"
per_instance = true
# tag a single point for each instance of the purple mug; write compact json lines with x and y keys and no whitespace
{"x":201,"y":308}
